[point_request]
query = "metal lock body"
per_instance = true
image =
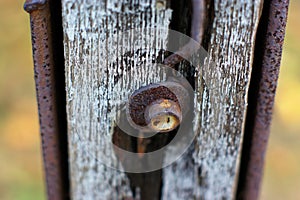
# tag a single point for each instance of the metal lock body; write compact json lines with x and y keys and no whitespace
{"x":158,"y":107}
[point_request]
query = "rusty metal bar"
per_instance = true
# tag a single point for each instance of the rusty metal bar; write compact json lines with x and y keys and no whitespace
{"x":49,"y":79}
{"x":267,"y":57}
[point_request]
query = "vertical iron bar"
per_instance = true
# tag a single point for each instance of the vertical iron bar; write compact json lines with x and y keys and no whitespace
{"x":267,"y":57}
{"x":46,"y":30}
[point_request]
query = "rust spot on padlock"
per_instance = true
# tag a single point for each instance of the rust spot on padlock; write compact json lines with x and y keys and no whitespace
{"x":157,"y":107}
{"x":163,"y":115}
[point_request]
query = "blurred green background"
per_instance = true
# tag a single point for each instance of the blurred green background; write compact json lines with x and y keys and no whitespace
{"x":21,"y":175}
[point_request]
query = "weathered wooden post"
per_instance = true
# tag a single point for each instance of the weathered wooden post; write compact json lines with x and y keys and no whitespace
{"x":88,"y":54}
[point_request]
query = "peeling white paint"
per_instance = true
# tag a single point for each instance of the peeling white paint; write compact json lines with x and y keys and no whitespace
{"x":92,"y":45}
{"x":220,"y":102}
{"x":220,"y":107}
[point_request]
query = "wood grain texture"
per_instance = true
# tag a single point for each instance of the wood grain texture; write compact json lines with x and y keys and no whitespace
{"x":96,"y":55}
{"x":209,"y":169}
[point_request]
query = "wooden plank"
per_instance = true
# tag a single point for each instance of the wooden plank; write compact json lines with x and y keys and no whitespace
{"x":92,"y":65}
{"x":221,"y":102}
{"x":94,"y":60}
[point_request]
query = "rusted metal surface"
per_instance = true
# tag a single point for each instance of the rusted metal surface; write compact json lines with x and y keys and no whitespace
{"x":34,"y":5}
{"x":142,"y":98}
{"x":266,"y":66}
{"x":163,"y":115}
{"x":50,"y":95}
{"x":159,"y":107}
{"x":197,"y":31}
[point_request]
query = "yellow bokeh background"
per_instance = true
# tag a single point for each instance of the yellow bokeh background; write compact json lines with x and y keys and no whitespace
{"x":21,"y":173}
{"x":282,"y":168}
